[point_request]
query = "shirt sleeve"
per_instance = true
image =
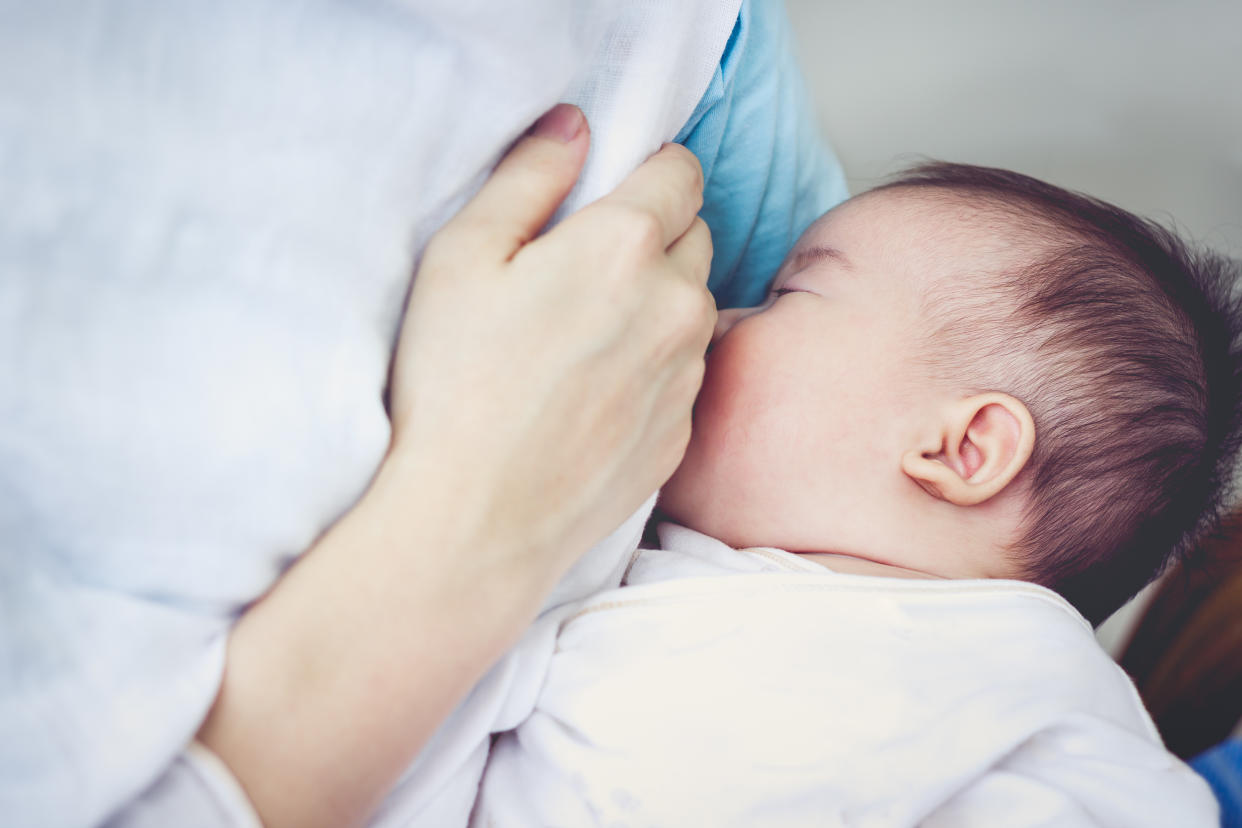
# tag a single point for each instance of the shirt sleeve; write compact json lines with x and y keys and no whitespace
{"x":197,"y":791}
{"x":768,"y":172}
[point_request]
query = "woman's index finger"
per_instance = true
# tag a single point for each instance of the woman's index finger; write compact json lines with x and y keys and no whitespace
{"x":668,"y":185}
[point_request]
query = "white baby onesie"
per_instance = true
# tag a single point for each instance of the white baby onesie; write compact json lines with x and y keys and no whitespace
{"x":737,"y":688}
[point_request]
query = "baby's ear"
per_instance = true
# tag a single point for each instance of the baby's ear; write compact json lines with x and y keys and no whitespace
{"x":974,"y":450}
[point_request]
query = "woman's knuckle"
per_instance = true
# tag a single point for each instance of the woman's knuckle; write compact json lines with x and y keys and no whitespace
{"x":702,"y":233}
{"x":690,"y":379}
{"x":707,"y":319}
{"x":692,"y":307}
{"x":691,"y":203}
{"x":692,"y":170}
{"x":676,"y":307}
{"x":643,"y":228}
{"x":631,"y":229}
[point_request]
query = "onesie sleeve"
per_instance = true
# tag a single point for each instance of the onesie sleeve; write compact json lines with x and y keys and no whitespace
{"x":768,"y":173}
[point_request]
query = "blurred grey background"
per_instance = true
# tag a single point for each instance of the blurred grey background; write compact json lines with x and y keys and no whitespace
{"x":1139,"y":103}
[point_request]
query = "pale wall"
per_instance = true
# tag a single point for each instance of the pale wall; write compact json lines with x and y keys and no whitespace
{"x":1139,"y":103}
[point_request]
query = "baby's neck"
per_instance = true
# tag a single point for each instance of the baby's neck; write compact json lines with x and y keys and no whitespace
{"x":850,"y":565}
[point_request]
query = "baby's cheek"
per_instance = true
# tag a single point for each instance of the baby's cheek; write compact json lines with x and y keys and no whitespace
{"x":694,"y":493}
{"x":735,"y":418}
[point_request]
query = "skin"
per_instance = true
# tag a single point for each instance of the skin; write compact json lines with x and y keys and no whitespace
{"x":501,"y":473}
{"x":818,"y":430}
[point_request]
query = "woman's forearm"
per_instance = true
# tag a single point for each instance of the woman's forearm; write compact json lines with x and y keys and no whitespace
{"x":336,"y":679}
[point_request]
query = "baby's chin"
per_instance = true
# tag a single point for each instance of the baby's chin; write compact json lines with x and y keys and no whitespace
{"x":687,"y":498}
{"x":707,"y":492}
{"x":686,"y":501}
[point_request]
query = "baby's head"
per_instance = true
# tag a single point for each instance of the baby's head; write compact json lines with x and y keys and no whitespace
{"x":970,"y":373}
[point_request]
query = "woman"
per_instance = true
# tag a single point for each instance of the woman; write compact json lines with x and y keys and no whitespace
{"x":212,"y":215}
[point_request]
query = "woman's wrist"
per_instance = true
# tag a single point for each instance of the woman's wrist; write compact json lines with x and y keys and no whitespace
{"x":338,"y":676}
{"x":448,"y":500}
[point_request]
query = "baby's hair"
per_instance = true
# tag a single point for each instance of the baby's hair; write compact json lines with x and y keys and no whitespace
{"x":1124,"y":343}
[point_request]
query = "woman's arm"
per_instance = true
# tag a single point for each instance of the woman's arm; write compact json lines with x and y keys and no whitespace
{"x":542,"y":389}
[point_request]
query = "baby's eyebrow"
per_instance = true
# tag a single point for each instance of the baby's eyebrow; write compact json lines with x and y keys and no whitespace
{"x":816,"y":253}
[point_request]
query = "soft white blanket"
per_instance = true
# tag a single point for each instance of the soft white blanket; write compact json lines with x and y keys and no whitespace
{"x":725,"y":687}
{"x":211,"y":215}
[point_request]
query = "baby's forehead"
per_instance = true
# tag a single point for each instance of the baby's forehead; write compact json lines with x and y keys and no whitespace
{"x":926,"y":234}
{"x":935,"y":213}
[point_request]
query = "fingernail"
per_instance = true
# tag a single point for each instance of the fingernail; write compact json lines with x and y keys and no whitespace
{"x":563,"y":122}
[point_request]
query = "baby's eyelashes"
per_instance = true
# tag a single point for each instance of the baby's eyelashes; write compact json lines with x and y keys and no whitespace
{"x":782,"y":291}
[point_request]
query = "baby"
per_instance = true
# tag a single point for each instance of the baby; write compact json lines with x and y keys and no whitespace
{"x":981,"y":389}
{"x":968,"y":373}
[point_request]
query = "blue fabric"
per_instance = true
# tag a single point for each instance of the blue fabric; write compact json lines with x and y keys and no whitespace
{"x":768,"y":173}
{"x":1222,"y":768}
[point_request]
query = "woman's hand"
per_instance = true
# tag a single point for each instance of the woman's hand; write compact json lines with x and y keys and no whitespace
{"x":551,"y":381}
{"x":542,"y":389}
